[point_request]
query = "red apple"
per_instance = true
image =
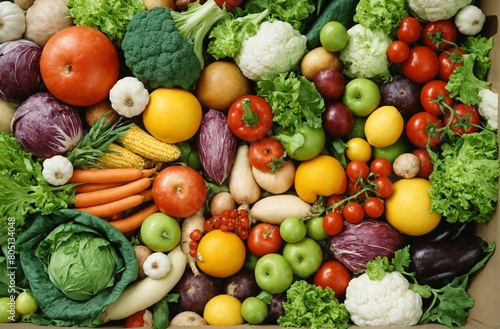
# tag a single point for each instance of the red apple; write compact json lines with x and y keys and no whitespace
{"x":179,"y":191}
{"x":338,"y":119}
{"x":329,"y":83}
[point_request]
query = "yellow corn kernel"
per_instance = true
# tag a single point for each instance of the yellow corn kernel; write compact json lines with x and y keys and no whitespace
{"x":120,"y":157}
{"x":141,"y":142}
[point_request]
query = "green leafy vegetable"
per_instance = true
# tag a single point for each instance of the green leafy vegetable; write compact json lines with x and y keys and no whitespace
{"x":383,"y":15}
{"x":24,"y":191}
{"x":465,"y":178}
{"x":310,"y":306}
{"x":161,"y":311}
{"x":448,"y":305}
{"x":293,"y":12}
{"x":479,"y":46}
{"x":464,"y":85}
{"x":294,"y":100}
{"x":109,"y":16}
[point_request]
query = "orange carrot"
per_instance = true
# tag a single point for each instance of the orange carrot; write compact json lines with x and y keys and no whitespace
{"x":95,"y":198}
{"x":134,"y":221}
{"x":115,"y":175}
{"x":148,"y":195}
{"x":91,"y":187}
{"x":148,"y":172}
{"x":107,"y":210}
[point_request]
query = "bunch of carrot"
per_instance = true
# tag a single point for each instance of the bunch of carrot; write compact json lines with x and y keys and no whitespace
{"x":122,"y":196}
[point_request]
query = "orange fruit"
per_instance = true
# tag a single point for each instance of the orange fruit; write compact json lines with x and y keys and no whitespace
{"x":220,"y":254}
{"x":223,"y":310}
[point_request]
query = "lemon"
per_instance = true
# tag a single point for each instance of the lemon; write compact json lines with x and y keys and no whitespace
{"x":223,"y":310}
{"x":408,"y":207}
{"x":358,"y":149}
{"x":384,"y":126}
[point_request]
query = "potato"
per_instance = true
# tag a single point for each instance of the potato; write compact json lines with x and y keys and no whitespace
{"x":188,"y":318}
{"x":7,"y":111}
{"x":94,"y":112}
{"x":220,"y":84}
{"x":319,"y":59}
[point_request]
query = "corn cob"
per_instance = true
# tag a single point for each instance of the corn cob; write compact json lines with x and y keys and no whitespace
{"x":120,"y":157}
{"x":142,"y":143}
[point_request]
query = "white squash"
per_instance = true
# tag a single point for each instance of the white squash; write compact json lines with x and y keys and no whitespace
{"x":57,"y":170}
{"x":45,"y":18}
{"x":157,"y":265}
{"x":470,"y":20}
{"x":12,"y":21}
{"x":129,"y":97}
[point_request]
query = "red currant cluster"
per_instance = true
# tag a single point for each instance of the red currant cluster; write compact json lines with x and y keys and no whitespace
{"x":366,"y":188}
{"x":235,"y":220}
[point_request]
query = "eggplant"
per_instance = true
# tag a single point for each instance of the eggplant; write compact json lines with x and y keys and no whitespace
{"x":446,"y":231}
{"x":437,"y":263}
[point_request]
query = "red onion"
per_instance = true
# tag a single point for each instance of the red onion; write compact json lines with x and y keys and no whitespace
{"x":19,"y":70}
{"x":45,"y":126}
{"x":216,"y":145}
{"x":357,"y":244}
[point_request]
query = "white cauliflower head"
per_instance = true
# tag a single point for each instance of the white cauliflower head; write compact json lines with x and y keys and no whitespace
{"x":365,"y":55}
{"x":488,"y":107}
{"x":432,"y":10}
{"x":386,"y":302}
{"x":276,"y":48}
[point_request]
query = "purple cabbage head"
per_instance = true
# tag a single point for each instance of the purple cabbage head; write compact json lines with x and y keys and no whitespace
{"x":357,"y":244}
{"x":20,"y":75}
{"x":45,"y":126}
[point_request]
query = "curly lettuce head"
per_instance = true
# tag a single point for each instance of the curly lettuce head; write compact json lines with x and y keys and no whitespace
{"x":365,"y":56}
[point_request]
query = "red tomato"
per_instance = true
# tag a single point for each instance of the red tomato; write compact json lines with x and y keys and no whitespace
{"x":333,"y":223}
{"x":179,"y":191}
{"x":381,"y":167}
{"x":446,"y":28}
{"x":79,"y":65}
{"x":335,"y":275}
{"x":353,"y":212}
{"x":265,"y":154}
{"x":466,"y":119}
{"x":140,"y":319}
{"x":448,"y":62}
{"x":333,"y":199}
{"x":432,"y":91}
{"x":409,"y":30}
{"x":353,"y":187}
{"x":230,"y":4}
{"x":250,"y":117}
{"x":357,"y":169}
{"x":426,"y":166}
{"x":398,"y":51}
{"x":416,"y":129}
{"x":421,"y":65}
{"x":263,"y":239}
{"x":384,"y":187}
{"x":374,"y":207}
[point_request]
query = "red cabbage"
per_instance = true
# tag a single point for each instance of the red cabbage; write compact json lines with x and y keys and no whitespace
{"x":357,"y":244}
{"x":20,"y":75}
{"x":45,"y":126}
{"x":216,"y":145}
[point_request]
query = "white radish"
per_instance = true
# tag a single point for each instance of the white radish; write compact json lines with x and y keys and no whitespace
{"x":242,"y":184}
{"x":220,"y":202}
{"x":275,"y":208}
{"x":189,"y":224}
{"x":276,"y":182}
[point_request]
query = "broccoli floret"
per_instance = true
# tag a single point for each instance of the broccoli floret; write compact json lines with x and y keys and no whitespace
{"x":164,"y":48}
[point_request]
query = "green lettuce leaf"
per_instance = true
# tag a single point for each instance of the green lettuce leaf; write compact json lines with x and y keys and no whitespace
{"x":383,"y":15}
{"x":294,"y":12}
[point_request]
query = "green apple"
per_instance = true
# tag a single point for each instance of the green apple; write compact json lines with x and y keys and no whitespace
{"x":8,"y":312}
{"x":250,"y":261}
{"x":273,"y":273}
{"x":315,"y":228}
{"x":305,"y":257}
{"x":362,"y":96}
{"x":160,"y":232}
{"x":391,"y":152}
{"x":254,"y":310}
{"x":358,"y":129}
{"x":26,"y":303}
{"x":293,"y":229}
{"x":333,"y":36}
{"x":303,"y":142}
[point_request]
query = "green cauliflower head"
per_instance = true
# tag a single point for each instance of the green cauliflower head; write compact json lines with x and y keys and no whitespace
{"x":157,"y":54}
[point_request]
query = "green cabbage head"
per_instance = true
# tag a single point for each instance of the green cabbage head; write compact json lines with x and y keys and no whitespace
{"x":79,"y":261}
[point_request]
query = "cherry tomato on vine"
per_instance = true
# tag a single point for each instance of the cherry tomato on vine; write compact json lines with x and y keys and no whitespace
{"x":357,"y":169}
{"x":264,"y":238}
{"x":448,"y":62}
{"x":265,"y":152}
{"x":426,"y":166}
{"x":398,"y":51}
{"x":434,"y":90}
{"x":353,"y":187}
{"x":381,"y":167}
{"x":333,"y":199}
{"x":465,"y":120}
{"x":373,"y":207}
{"x":335,"y":275}
{"x":445,"y":27}
{"x":409,"y":30}
{"x":416,"y":129}
{"x":421,"y":65}
{"x":333,"y":223}
{"x":250,"y":117}
{"x":230,"y":4}
{"x":353,"y":212}
{"x":384,"y":187}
